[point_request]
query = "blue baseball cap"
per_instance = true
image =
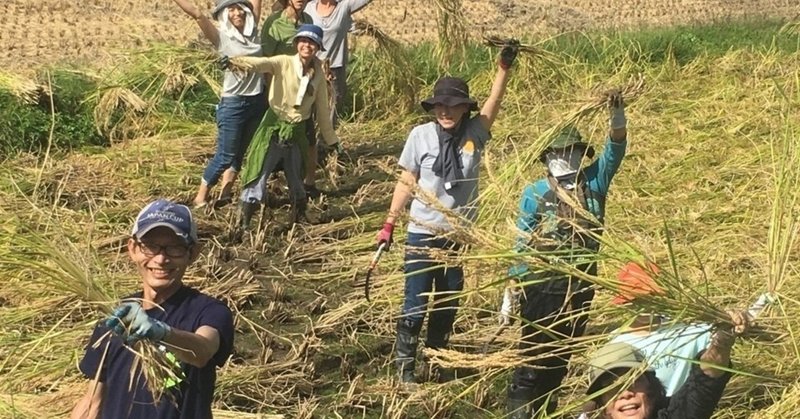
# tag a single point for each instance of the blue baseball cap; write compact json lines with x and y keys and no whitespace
{"x":165,"y":213}
{"x":312,"y":32}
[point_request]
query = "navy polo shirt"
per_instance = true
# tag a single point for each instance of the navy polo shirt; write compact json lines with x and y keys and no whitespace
{"x":186,"y":310}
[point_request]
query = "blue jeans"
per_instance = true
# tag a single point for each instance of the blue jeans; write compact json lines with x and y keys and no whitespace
{"x":237,"y":120}
{"x":422,"y":275}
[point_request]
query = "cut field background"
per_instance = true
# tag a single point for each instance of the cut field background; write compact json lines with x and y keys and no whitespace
{"x":709,"y":190}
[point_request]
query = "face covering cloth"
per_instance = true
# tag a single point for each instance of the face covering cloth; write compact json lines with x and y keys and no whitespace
{"x":564,"y":163}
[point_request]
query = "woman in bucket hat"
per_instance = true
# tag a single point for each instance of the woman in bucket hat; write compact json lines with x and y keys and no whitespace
{"x":441,"y":159}
{"x":298,"y":86}
{"x":242,"y":103}
{"x":623,"y":385}
{"x":561,"y":216}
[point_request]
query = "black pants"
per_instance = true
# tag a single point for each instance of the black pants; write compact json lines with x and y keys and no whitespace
{"x":554,"y":312}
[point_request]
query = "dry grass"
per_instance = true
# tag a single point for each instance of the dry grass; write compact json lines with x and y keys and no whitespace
{"x":707,"y":191}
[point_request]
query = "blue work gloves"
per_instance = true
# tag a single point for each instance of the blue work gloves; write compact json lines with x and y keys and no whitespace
{"x":130,"y":321}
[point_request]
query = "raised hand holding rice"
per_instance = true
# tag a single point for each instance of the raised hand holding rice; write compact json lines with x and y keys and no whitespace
{"x":616,"y":108}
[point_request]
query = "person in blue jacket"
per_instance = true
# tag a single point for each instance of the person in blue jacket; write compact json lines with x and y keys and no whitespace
{"x":561,"y":216}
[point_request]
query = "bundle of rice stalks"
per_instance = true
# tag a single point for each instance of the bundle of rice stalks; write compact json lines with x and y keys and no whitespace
{"x":784,"y":226}
{"x":631,"y":91}
{"x":532,"y":50}
{"x":60,"y":267}
{"x":24,"y":89}
{"x":453,"y":36}
{"x":153,"y":86}
{"x":118,"y":112}
{"x":387,"y":85}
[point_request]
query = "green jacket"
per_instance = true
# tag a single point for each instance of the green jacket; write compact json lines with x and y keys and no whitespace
{"x":277,"y":34}
{"x":287,"y":132}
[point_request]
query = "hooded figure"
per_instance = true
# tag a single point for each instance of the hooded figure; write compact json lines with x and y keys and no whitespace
{"x":242,"y":100}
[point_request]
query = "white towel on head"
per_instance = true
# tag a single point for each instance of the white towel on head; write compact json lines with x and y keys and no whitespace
{"x":227,"y":28}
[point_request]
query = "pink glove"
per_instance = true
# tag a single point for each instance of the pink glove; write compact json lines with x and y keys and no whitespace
{"x":385,"y":235}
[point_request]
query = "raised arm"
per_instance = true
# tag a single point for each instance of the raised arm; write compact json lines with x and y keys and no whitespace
{"x":492,"y":105}
{"x":254,"y":64}
{"x":209,"y":30}
{"x":356,"y":5}
{"x":256,"y":10}
{"x":88,"y":406}
{"x":718,"y":353}
{"x":618,"y":124}
{"x":699,"y":395}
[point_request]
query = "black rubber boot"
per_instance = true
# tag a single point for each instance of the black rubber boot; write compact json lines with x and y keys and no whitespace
{"x":299,"y":212}
{"x":520,"y":401}
{"x":406,"y":349}
{"x":248,"y":210}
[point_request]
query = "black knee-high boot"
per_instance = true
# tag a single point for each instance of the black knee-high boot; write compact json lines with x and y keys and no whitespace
{"x":406,"y":348}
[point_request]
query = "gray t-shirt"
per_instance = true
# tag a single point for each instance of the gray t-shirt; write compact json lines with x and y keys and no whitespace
{"x":419,"y":153}
{"x":247,"y":84}
{"x":335,"y":28}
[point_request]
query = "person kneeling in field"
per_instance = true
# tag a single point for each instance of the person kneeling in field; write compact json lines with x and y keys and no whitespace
{"x":441,"y":158}
{"x":195,"y":330}
{"x":298,"y":85}
{"x":669,"y":347}
{"x":552,"y":226}
{"x":622,"y":385}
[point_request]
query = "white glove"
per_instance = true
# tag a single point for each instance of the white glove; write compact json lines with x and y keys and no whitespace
{"x":616,"y":110}
{"x":763,"y":301}
{"x":508,"y":308}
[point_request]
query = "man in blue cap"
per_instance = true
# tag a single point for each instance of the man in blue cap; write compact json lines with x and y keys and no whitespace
{"x":195,"y":330}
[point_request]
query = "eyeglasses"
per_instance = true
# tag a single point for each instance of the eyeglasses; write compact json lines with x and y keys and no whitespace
{"x":151,"y":250}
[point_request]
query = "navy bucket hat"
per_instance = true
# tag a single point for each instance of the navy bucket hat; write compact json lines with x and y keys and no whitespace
{"x":312,"y":32}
